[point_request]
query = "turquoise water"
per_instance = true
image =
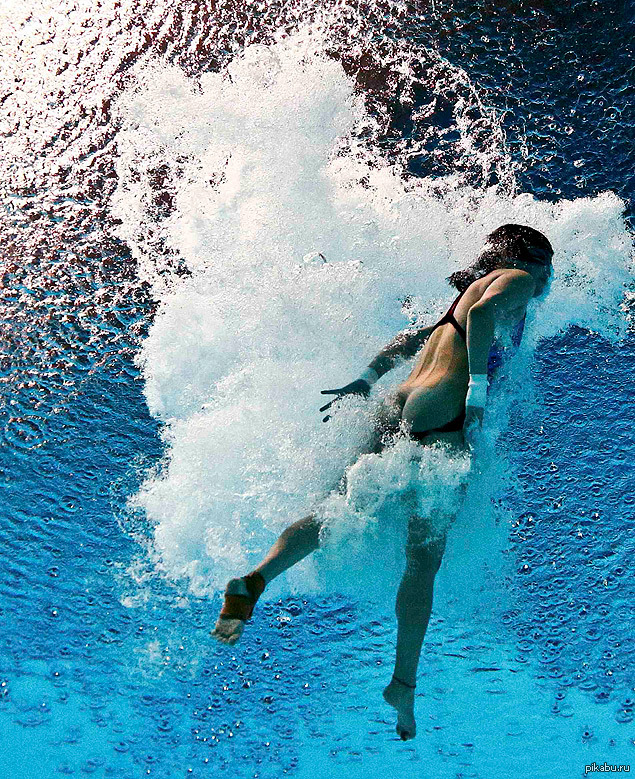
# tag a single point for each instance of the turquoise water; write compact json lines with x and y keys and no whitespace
{"x":168,"y":323}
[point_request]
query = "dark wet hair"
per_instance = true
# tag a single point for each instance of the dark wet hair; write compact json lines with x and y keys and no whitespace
{"x":506,"y":244}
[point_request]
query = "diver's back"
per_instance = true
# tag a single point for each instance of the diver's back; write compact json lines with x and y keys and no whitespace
{"x":443,"y":359}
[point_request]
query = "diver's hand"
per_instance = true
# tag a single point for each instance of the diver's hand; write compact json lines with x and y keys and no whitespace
{"x":357,"y":387}
{"x":473,"y":424}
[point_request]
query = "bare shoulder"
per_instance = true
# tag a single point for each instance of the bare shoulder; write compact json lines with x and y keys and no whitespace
{"x":506,"y":276}
{"x":508,"y":288}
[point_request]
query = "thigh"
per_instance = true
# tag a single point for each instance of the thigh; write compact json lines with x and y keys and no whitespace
{"x":385,"y":421}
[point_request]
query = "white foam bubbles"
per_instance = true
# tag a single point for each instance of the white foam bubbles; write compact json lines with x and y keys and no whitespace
{"x":366,"y":525}
{"x":301,"y":246}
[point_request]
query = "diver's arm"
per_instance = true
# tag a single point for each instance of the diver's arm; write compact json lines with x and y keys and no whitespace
{"x":507,"y":293}
{"x":405,"y":344}
{"x":480,"y":334}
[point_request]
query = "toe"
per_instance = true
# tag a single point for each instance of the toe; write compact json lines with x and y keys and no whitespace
{"x":219,"y":635}
{"x":227,"y":631}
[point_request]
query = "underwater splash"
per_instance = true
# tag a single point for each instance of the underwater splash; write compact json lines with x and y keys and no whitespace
{"x":291,"y":252}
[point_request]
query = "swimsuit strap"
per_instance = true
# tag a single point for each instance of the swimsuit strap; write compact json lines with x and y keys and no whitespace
{"x":449,"y":317}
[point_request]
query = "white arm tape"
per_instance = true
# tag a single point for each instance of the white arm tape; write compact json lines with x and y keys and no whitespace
{"x":370,"y":376}
{"x":477,"y":390}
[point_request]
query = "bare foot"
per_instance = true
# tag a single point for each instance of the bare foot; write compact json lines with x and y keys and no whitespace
{"x":402,"y":699}
{"x":228,"y":631}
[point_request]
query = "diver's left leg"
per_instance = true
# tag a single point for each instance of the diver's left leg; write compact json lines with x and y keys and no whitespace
{"x":413,"y":607}
{"x":294,"y":544}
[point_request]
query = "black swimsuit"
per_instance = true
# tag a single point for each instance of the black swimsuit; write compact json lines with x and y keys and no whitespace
{"x":457,"y":423}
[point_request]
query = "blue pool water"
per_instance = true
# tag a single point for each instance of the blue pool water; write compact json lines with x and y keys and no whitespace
{"x":169,"y":175}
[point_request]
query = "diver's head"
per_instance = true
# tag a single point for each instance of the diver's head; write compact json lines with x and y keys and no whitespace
{"x":511,"y":246}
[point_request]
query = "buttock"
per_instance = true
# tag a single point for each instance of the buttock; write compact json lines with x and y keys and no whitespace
{"x":389,"y":424}
{"x":453,"y":426}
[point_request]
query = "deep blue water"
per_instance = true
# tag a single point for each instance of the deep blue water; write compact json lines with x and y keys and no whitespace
{"x":106,"y":666}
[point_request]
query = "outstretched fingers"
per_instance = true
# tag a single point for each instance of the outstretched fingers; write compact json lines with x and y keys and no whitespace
{"x":338,"y":393}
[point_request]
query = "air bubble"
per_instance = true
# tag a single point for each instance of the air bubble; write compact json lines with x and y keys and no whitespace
{"x":25,"y":432}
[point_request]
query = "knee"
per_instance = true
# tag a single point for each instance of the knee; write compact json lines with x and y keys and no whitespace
{"x":308,"y":529}
{"x":313,"y":528}
{"x":424,"y":561}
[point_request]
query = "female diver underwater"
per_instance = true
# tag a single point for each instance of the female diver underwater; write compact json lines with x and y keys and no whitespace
{"x":442,"y":399}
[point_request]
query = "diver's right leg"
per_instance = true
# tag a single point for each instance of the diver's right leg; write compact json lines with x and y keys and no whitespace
{"x":413,"y":607}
